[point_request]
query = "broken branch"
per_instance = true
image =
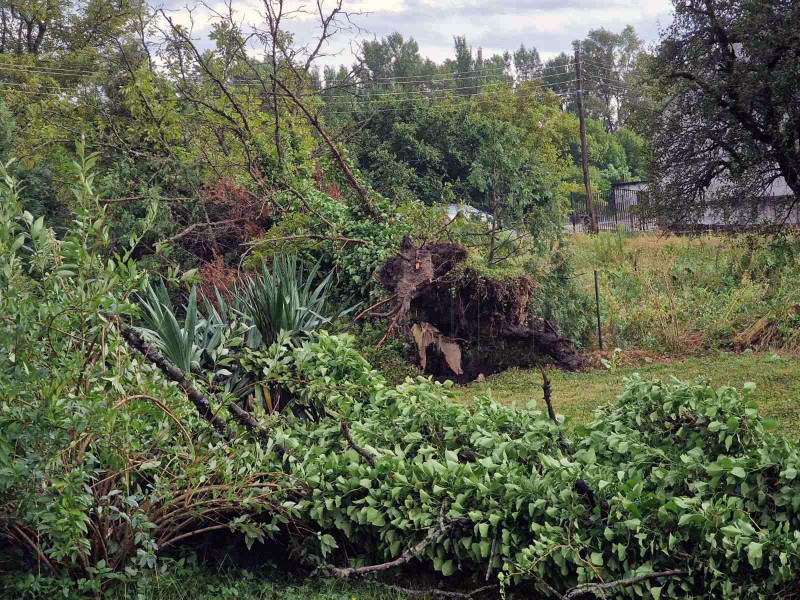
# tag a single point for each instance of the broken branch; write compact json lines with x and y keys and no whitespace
{"x":314,"y":120}
{"x":361,"y":452}
{"x":435,"y":592}
{"x":412,"y":552}
{"x":548,"y":392}
{"x":587,"y":588}
{"x":173,"y":373}
{"x":200,"y":401}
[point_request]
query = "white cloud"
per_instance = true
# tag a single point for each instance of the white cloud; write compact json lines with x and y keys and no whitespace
{"x":550,"y":25}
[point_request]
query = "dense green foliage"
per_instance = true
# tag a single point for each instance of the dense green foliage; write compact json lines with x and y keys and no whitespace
{"x":176,"y":365}
{"x":105,"y":466}
{"x":97,"y":452}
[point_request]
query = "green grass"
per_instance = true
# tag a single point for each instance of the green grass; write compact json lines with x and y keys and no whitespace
{"x":682,"y":296}
{"x":577,"y":395}
{"x":247,"y":586}
{"x":199,"y":582}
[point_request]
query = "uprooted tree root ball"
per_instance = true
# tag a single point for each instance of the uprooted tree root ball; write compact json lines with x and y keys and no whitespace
{"x":458,"y":312}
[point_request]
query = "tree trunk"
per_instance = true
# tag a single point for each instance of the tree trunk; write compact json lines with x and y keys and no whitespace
{"x":493,"y":232}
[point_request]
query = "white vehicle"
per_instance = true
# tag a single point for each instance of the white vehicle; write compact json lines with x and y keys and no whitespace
{"x":468,"y":211}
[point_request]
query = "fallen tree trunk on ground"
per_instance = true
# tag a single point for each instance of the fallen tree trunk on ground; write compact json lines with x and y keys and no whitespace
{"x":197,"y":398}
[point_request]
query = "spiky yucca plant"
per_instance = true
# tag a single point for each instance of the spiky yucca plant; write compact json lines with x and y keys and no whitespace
{"x":178,"y":342}
{"x":287,"y":299}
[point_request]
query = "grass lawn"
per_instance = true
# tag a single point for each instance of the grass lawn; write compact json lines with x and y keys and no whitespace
{"x":576,"y":395}
{"x":214,"y":583}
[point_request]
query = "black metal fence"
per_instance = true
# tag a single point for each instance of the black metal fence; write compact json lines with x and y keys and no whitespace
{"x":615,"y":209}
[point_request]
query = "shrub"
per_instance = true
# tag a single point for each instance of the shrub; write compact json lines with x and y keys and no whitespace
{"x":560,"y":298}
{"x":677,"y":491}
{"x":675,"y":477}
{"x":287,"y":299}
{"x":102,"y":463}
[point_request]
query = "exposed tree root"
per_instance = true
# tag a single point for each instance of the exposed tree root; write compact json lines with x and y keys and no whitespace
{"x":483,"y":316}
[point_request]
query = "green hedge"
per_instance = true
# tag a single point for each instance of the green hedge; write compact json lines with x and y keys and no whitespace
{"x":674,"y":477}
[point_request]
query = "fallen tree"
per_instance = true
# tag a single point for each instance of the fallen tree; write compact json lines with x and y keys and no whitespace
{"x":677,"y":491}
{"x":464,"y":322}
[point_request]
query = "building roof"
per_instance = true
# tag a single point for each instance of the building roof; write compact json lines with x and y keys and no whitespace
{"x":621,"y":183}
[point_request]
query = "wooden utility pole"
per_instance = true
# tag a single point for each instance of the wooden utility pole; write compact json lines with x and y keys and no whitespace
{"x":584,"y":154}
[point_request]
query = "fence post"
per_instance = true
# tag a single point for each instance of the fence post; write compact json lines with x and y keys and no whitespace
{"x":573,"y":213}
{"x":597,"y":303}
{"x":631,"y":210}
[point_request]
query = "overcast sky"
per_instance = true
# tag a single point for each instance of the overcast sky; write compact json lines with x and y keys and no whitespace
{"x":549,"y":25}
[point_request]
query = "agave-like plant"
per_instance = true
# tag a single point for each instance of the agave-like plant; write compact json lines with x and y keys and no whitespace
{"x":280,"y":304}
{"x":178,"y":342}
{"x":287,"y":299}
{"x":224,"y":311}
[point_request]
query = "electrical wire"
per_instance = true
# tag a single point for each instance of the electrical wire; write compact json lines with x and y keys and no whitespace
{"x":543,"y":73}
{"x":476,"y":99}
{"x":471,"y":71}
{"x":469,"y":74}
{"x":13,"y":84}
{"x":610,"y":85}
{"x":597,"y":65}
{"x":442,"y":77}
{"x":31,"y":93}
{"x":44,"y":71}
{"x":548,"y":83}
{"x":532,"y":72}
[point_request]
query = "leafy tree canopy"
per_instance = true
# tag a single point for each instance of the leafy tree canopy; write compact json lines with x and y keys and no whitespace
{"x":730,"y":131}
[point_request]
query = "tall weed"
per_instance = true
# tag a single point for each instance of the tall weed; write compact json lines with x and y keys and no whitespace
{"x":680,"y":295}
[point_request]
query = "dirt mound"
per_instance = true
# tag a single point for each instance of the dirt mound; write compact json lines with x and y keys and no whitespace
{"x":487,"y":318}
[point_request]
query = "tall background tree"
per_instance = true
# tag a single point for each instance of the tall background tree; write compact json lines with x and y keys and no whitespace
{"x":610,"y":64}
{"x":729,"y":133}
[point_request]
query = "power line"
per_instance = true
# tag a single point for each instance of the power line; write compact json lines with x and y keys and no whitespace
{"x":622,"y":87}
{"x":468,"y":75}
{"x":598,"y":66}
{"x":543,"y":73}
{"x":27,"y":85}
{"x":411,"y":92}
{"x":434,"y":79}
{"x":475,"y":98}
{"x":532,"y":72}
{"x":470,"y":72}
{"x":32,"y":93}
{"x":413,"y":95}
{"x":608,"y":78}
{"x":43,"y":71}
{"x":370,"y":94}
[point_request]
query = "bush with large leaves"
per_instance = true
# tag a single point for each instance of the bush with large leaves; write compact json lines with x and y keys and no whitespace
{"x":676,"y":478}
{"x":102,"y":462}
